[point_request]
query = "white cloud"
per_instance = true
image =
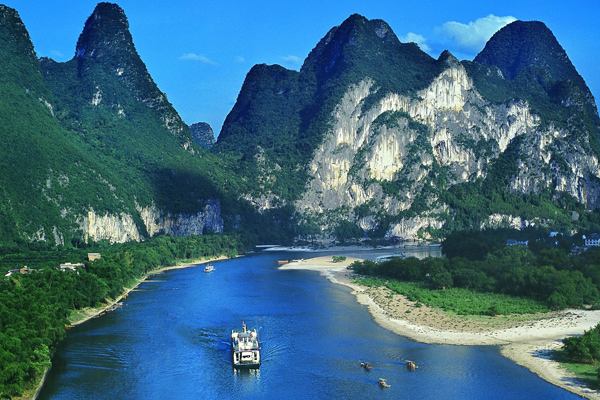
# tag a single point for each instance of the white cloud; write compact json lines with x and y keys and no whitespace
{"x":472,"y":36}
{"x":416,"y":38}
{"x":239,"y":59}
{"x":292,"y":59}
{"x":197,"y":57}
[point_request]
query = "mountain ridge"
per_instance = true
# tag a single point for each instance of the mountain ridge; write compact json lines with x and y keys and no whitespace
{"x":372,"y":137}
{"x":460,"y":117}
{"x":102,"y":155}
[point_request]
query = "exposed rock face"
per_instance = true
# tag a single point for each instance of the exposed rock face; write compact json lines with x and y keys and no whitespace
{"x":202,"y":134}
{"x":207,"y":221}
{"x":511,"y":221}
{"x":413,"y":228}
{"x":441,"y":126}
{"x":120,"y":228}
{"x":458,"y":131}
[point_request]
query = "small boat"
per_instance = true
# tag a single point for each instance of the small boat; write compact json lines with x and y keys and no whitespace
{"x":245,"y":349}
{"x":367,"y":366}
{"x":209,"y":268}
{"x":283,"y":262}
{"x":389,"y":257}
{"x":383,"y":384}
{"x":411,"y":366}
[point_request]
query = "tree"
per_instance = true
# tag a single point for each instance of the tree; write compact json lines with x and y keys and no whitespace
{"x":441,"y":279}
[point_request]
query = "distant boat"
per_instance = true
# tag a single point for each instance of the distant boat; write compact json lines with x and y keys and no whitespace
{"x":283,"y":262}
{"x":389,"y":257}
{"x":209,"y":268}
{"x":383,"y":383}
{"x":245,"y":349}
{"x":411,"y":366}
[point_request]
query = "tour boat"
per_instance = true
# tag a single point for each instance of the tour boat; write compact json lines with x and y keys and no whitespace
{"x":209,"y":268}
{"x":245,"y":349}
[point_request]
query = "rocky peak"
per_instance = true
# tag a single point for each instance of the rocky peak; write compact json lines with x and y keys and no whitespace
{"x":106,"y":32}
{"x":448,"y":59}
{"x":526,"y":45}
{"x":360,"y":47}
{"x":7,"y":12}
{"x":345,"y":44}
{"x":202,"y":134}
{"x":111,"y":76}
{"x":19,"y":65}
{"x":530,"y":58}
{"x":251,"y":121}
{"x":13,"y":34}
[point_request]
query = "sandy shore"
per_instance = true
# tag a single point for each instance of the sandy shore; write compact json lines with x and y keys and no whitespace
{"x":537,"y":357}
{"x":526,"y":339}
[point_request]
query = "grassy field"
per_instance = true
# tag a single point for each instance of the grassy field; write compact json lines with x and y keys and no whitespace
{"x":587,"y":373}
{"x":460,"y":301}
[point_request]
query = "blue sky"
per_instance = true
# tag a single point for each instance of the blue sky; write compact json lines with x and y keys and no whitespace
{"x":200,"y":51}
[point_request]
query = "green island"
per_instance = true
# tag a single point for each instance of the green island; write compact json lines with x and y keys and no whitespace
{"x":37,"y":307}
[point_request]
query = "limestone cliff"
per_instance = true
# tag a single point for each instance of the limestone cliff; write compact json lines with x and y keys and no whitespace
{"x":120,"y":228}
{"x":409,"y":146}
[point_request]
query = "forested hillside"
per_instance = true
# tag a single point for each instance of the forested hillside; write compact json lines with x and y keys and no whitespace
{"x":94,"y":150}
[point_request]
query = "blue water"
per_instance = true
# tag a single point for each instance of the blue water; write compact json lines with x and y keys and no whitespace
{"x":170,"y":341}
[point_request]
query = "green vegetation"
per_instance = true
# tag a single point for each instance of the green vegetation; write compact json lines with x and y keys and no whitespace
{"x":65,"y":155}
{"x":583,"y":349}
{"x":337,"y":259}
{"x":544,"y":271}
{"x":581,"y":355}
{"x":587,"y":373}
{"x":34,"y":308}
{"x":459,"y":301}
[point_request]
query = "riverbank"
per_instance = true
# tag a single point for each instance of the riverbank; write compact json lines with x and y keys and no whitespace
{"x":522,"y":338}
{"x":78,"y":317}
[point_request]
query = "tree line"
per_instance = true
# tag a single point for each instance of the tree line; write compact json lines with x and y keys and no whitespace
{"x":544,"y":270}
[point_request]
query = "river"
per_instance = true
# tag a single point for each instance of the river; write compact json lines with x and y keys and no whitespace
{"x":170,"y":341}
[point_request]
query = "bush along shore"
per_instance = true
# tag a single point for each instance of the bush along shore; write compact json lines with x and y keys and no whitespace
{"x":35,"y":307}
{"x":581,"y":356}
